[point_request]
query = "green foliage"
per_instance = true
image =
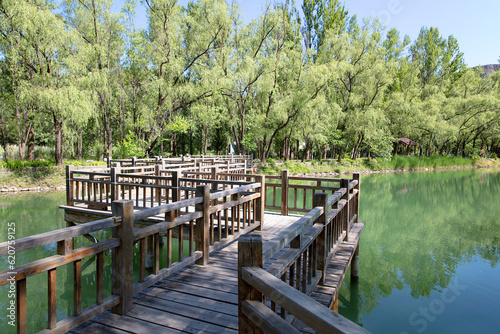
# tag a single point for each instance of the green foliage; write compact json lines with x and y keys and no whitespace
{"x":285,"y":85}
{"x":130,"y":147}
{"x":19,"y":164}
{"x":271,"y":162}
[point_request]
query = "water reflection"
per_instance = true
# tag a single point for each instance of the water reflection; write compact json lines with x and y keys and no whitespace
{"x":421,"y":228}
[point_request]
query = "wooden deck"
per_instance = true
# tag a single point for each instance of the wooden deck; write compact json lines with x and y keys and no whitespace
{"x":204,"y":299}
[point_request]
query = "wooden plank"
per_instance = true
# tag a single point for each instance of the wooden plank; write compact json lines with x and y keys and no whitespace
{"x":96,"y":328}
{"x":188,"y":311}
{"x":152,"y":279}
{"x":175,"y":321}
{"x":201,"y":292}
{"x":127,"y":324}
{"x":200,"y":302}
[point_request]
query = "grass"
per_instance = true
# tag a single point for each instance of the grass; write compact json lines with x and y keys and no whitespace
{"x":15,"y":173}
{"x":398,"y":162}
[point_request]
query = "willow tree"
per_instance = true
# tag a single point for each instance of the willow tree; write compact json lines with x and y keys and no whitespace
{"x":178,"y":40}
{"x":102,"y":32}
{"x":44,"y":48}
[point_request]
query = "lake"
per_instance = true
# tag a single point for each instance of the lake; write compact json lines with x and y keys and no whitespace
{"x":429,"y":254}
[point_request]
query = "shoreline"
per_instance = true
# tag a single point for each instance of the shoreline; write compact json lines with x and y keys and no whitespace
{"x":404,"y":170}
{"x":6,"y":190}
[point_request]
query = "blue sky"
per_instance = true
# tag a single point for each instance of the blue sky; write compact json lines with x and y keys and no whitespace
{"x":475,"y":24}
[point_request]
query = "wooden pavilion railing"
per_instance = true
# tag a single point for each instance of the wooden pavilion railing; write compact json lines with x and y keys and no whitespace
{"x":271,"y":299}
{"x":210,"y":159}
{"x":147,"y":186}
{"x":285,"y":195}
{"x":211,"y":219}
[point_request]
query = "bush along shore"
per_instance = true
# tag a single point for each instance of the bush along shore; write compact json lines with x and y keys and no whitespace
{"x":367,"y":165}
{"x":23,"y":176}
{"x":51,"y":178}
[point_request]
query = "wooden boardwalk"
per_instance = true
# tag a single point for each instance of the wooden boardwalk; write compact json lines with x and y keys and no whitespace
{"x":224,"y":277}
{"x":204,"y":299}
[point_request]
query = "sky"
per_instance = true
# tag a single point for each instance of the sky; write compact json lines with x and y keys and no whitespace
{"x":474,"y":23}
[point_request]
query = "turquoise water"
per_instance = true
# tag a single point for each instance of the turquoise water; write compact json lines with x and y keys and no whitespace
{"x":429,"y":254}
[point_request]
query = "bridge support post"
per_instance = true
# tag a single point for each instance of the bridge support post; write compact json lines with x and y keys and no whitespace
{"x":284,"y":192}
{"x":203,"y":224}
{"x":122,"y":256}
{"x":260,"y":203}
{"x":355,"y":265}
{"x":249,"y":255}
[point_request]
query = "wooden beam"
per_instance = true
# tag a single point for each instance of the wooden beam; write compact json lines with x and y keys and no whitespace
{"x":265,"y":318}
{"x":203,"y":224}
{"x":303,"y":307}
{"x":320,"y":200}
{"x":249,"y":255}
{"x":122,"y":257}
{"x":284,"y":192}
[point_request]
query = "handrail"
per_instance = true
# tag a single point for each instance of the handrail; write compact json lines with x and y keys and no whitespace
{"x":303,"y":307}
{"x":305,"y":248}
{"x":201,"y":233}
{"x":46,"y":238}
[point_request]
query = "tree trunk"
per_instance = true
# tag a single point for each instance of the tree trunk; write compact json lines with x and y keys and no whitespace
{"x":4,"y":143}
{"x":205,"y":139}
{"x":31,"y":144}
{"x":58,"y":135}
{"x":79,"y":146}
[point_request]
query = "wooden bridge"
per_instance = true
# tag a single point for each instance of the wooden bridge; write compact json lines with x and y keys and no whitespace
{"x":210,"y":258}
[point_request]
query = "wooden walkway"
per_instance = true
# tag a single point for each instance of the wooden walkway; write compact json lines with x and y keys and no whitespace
{"x":204,"y":299}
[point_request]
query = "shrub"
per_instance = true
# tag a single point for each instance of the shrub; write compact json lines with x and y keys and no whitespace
{"x":271,"y":162}
{"x":19,"y":164}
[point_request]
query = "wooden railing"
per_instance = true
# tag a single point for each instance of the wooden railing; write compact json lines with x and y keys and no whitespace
{"x":285,"y":193}
{"x":211,"y":219}
{"x":270,"y":299}
{"x":147,"y":186}
{"x":210,"y":159}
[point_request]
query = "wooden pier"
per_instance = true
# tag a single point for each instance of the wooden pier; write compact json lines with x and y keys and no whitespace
{"x":236,"y":267}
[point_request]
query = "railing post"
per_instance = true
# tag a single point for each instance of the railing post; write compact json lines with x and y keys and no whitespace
{"x":122,"y":256}
{"x":112,"y":177}
{"x":134,"y":161}
{"x":284,"y":192}
{"x":321,"y":199}
{"x":203,"y":224}
{"x":356,"y":176}
{"x":249,"y":255}
{"x":157,"y":182}
{"x":260,"y":202}
{"x":215,"y":171}
{"x":344,"y":183}
{"x":69,"y":185}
